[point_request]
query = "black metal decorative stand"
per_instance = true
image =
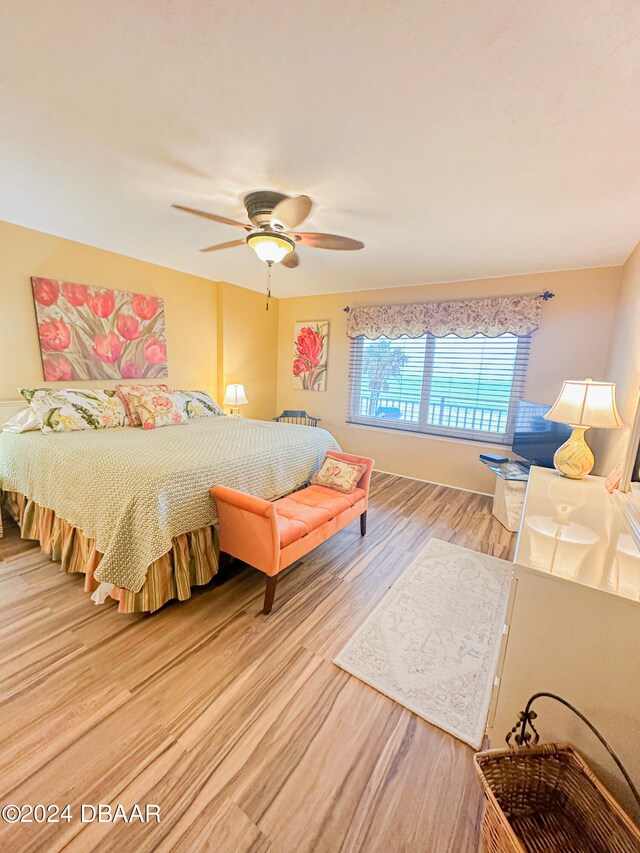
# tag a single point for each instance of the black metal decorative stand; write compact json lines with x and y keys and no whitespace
{"x":526,"y":738}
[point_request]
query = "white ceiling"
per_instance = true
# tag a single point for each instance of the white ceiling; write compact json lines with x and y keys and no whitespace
{"x":456,"y":139}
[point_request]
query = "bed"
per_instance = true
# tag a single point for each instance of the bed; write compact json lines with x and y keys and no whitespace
{"x":131,"y":507}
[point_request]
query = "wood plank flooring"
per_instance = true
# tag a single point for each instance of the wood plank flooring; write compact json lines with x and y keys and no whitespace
{"x":237,"y":725}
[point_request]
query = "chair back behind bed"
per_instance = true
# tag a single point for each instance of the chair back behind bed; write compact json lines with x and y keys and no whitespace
{"x":297,"y":416}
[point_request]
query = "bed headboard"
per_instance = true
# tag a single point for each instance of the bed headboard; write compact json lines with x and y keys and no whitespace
{"x":8,"y":408}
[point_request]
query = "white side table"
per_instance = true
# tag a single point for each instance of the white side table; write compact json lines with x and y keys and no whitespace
{"x":508,"y":502}
{"x":509,"y":493}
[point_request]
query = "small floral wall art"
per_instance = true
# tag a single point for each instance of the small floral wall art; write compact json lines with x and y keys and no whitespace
{"x":310,"y":347}
{"x":98,"y":333}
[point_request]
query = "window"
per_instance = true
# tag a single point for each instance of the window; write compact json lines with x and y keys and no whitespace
{"x":460,"y":387}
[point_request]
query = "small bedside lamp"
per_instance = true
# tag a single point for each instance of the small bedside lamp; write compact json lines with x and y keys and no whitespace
{"x":235,"y":397}
{"x":582,"y":405}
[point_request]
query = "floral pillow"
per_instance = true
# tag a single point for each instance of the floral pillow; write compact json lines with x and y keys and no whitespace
{"x":157,"y":409}
{"x":197,"y":404}
{"x":126,"y":392}
{"x":75,"y":408}
{"x":339,"y":475}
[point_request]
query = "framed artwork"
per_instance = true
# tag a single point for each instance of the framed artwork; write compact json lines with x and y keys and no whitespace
{"x":310,"y":348}
{"x":98,"y":333}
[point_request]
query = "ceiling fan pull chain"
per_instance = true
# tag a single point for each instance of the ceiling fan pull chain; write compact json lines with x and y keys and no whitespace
{"x":269,"y":265}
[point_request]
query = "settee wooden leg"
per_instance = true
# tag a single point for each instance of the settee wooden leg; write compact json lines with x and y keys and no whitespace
{"x":224,"y":565}
{"x":224,"y":561}
{"x":269,"y":593}
{"x":363,"y":523}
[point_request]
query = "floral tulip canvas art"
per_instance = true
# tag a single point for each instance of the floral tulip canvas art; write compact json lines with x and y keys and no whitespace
{"x":98,"y":333}
{"x":310,"y":346}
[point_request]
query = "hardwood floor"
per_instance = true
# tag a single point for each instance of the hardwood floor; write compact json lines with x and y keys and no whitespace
{"x":237,"y":725}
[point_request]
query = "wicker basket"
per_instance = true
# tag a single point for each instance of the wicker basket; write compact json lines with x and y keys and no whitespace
{"x":545,"y":799}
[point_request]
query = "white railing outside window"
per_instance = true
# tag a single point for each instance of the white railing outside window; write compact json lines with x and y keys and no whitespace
{"x":460,"y":387}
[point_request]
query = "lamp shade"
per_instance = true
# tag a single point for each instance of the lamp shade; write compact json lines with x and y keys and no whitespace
{"x":270,"y":246}
{"x":586,"y":403}
{"x":235,"y":396}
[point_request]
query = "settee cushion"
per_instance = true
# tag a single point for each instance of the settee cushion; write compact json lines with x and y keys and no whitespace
{"x":308,"y":509}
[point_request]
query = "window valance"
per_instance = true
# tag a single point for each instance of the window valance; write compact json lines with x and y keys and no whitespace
{"x":517,"y":315}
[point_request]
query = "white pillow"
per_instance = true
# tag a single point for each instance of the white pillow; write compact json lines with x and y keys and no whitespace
{"x":24,"y":421}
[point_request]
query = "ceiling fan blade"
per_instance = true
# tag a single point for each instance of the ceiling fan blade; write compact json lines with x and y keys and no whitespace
{"x":326,"y":241}
{"x":291,"y":211}
{"x":213,"y":216}
{"x":291,"y":260}
{"x":227,"y":245}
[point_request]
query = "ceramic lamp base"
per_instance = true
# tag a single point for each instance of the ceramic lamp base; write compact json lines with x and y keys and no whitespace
{"x":234,"y":411}
{"x":574,"y":458}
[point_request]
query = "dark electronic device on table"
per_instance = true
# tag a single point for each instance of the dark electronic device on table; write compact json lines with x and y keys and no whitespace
{"x":534,"y":439}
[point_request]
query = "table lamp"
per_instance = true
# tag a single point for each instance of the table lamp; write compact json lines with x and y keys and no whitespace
{"x":235,"y":397}
{"x":582,"y":404}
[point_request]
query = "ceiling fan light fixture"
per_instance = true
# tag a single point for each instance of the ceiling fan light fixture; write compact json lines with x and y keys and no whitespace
{"x":270,"y":246}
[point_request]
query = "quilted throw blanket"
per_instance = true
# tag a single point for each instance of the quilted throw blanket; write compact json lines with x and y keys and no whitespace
{"x":134,"y":490}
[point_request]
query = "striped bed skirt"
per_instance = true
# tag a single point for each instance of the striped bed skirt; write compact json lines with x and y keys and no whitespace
{"x":191,"y":561}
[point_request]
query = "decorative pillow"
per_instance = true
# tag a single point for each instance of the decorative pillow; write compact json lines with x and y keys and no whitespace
{"x":75,"y":408}
{"x":197,"y":404}
{"x":24,"y":421}
{"x":157,"y":409}
{"x":339,"y":475}
{"x":124,"y":392}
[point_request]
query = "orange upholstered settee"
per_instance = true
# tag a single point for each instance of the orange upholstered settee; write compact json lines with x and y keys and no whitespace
{"x":272,"y":536}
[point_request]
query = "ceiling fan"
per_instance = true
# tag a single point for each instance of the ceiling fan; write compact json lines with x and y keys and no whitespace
{"x":273,"y":216}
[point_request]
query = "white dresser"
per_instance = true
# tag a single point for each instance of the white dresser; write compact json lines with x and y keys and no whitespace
{"x":573,"y":625}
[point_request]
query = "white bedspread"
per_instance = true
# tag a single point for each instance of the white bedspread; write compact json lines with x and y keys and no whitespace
{"x":134,"y":490}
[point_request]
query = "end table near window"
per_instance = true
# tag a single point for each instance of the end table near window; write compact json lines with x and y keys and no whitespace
{"x":508,"y":496}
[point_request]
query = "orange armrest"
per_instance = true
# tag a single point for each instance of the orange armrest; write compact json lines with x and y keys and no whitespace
{"x":240,"y":500}
{"x":248,"y":528}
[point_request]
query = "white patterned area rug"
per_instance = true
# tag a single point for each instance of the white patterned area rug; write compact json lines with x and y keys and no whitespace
{"x":432,"y":643}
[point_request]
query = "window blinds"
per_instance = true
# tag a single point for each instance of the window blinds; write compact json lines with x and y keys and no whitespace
{"x":451,"y":386}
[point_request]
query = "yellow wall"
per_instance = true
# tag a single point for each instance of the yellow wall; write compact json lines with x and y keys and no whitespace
{"x":219,"y":333}
{"x":189,"y":302}
{"x":572,"y":342}
{"x":248,"y":347}
{"x":623,"y":367}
